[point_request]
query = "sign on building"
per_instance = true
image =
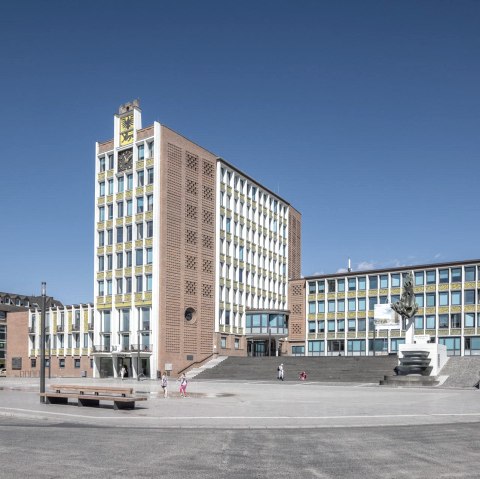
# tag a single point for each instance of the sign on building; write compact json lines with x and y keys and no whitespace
{"x":385,"y":317}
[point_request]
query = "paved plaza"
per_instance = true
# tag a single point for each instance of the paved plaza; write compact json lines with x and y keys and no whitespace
{"x":244,"y":429}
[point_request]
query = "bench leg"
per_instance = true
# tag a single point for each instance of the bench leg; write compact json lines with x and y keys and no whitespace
{"x":88,"y":402}
{"x":55,"y":400}
{"x":123,"y":404}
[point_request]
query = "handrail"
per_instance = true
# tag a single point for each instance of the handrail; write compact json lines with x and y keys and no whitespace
{"x":196,"y":362}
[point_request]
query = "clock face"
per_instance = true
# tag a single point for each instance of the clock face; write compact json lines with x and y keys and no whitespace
{"x":125,"y":160}
{"x":126,"y":130}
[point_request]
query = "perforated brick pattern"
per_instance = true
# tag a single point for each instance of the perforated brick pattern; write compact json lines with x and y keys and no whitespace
{"x":294,"y":244}
{"x":207,"y":266}
{"x":207,"y":217}
{"x":207,"y":291}
{"x":191,"y":262}
{"x":296,"y":322}
{"x":189,"y":230}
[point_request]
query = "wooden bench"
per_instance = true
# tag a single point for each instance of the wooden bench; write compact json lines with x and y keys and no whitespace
{"x":122,"y":398}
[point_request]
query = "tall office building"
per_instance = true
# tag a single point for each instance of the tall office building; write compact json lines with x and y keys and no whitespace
{"x":192,"y":256}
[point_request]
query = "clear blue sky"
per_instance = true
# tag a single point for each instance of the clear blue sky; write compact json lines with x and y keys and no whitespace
{"x":363,"y":114}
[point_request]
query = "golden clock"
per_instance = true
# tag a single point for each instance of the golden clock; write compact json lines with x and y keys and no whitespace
{"x":126,"y":130}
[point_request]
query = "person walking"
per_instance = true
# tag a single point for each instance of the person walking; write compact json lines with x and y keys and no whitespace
{"x":183,"y":385}
{"x":123,"y":372}
{"x":165,"y":385}
{"x":280,"y":372}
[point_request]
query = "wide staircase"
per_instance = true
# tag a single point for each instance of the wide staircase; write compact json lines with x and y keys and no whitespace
{"x":356,"y":369}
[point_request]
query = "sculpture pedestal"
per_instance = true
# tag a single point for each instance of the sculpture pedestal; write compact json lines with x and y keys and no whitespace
{"x":437,"y":353}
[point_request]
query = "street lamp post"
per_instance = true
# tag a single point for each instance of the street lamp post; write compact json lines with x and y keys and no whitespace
{"x":42,"y":342}
{"x":269,"y":341}
{"x":138,"y":355}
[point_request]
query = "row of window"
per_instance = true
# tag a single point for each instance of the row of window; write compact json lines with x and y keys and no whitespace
{"x":125,"y":208}
{"x":357,"y":346}
{"x":61,"y":363}
{"x":443,"y":298}
{"x":251,"y":191}
{"x":58,"y":340}
{"x":125,"y":233}
{"x":124,"y":259}
{"x":250,"y":212}
{"x":238,"y":251}
{"x":125,"y":182}
{"x":394,"y":280}
{"x":444,"y":321}
{"x":236,"y":228}
{"x":124,"y":285}
{"x":123,"y":318}
{"x":108,"y":160}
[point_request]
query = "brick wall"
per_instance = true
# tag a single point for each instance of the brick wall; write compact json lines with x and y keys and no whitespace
{"x":187,"y":251}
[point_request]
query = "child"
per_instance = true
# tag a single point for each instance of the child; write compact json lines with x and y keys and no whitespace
{"x":183,"y":385}
{"x":165,"y":385}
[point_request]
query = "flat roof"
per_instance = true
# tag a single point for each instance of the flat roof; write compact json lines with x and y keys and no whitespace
{"x":395,"y":269}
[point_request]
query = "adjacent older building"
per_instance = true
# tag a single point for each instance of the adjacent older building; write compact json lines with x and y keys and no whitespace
{"x":14,"y":353}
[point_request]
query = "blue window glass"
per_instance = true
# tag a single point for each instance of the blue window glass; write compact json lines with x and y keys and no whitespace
{"x":372,"y":301}
{"x":341,"y":285}
{"x":361,"y":304}
{"x":452,"y":344}
{"x":321,"y":306}
{"x":418,"y":322}
{"x":419,"y":278}
{"x":470,"y":273}
{"x":351,"y":304}
{"x":331,"y":326}
{"x":384,"y":281}
{"x":430,"y":300}
{"x":469,"y":319}
{"x":362,"y":283}
{"x":311,"y":287}
{"x":456,"y":298}
{"x":419,"y":300}
{"x":341,"y":325}
{"x":443,"y":276}
{"x":321,"y":286}
{"x":431,"y":277}
{"x":321,"y":326}
{"x":443,"y":321}
{"x":469,"y":296}
{"x":341,"y":305}
{"x":331,"y":305}
{"x":356,"y":346}
{"x":315,"y":348}
{"x":395,"y":280}
{"x":395,"y":343}
{"x":352,"y":284}
{"x":373,"y":282}
{"x":311,"y":307}
{"x":456,"y":275}
{"x":443,"y":299}
{"x":311,"y":326}
{"x":430,"y":322}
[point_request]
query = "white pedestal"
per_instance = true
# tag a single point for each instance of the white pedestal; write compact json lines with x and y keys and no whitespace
{"x":436,"y":352}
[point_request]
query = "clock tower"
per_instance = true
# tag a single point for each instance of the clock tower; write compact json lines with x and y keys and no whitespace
{"x":127,"y":122}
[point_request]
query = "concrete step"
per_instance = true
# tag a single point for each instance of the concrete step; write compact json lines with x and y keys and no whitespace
{"x":409,"y":381}
{"x":208,"y":365}
{"x":328,"y":369}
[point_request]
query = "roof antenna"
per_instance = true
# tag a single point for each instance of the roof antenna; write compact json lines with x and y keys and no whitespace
{"x":349,"y":266}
